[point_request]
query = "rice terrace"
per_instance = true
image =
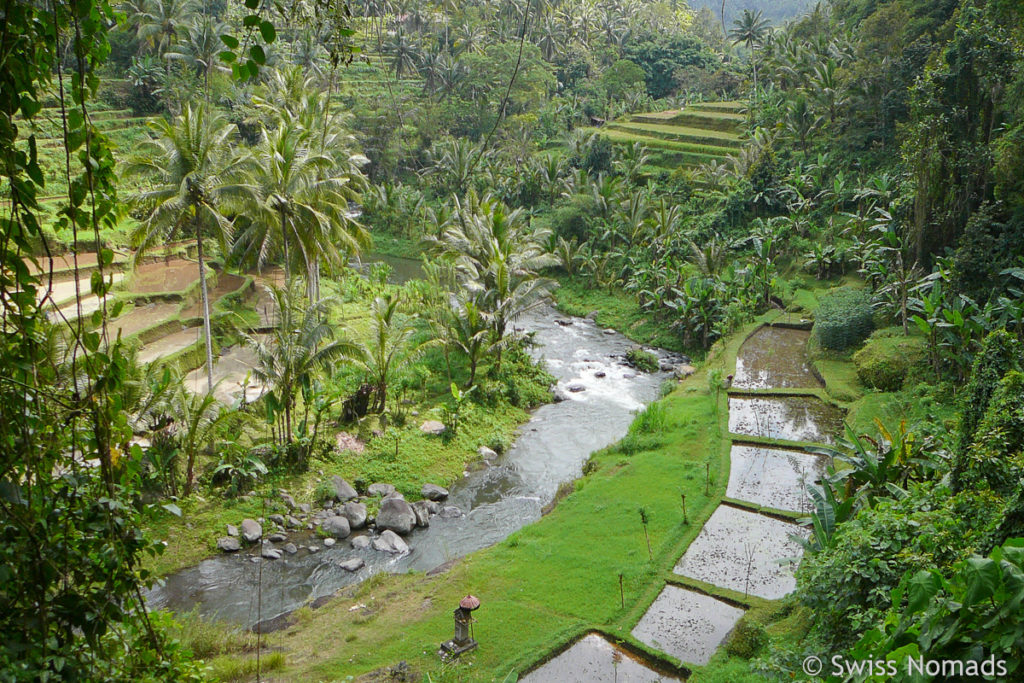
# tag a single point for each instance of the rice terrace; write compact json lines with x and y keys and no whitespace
{"x":551,"y":341}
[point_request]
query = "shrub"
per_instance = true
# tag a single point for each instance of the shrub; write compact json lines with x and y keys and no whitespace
{"x":642,"y":360}
{"x":883,"y":363}
{"x":843,"y":319}
{"x":746,"y":640}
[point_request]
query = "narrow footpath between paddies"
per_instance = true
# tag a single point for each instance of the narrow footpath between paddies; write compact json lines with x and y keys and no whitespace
{"x":551,"y":584}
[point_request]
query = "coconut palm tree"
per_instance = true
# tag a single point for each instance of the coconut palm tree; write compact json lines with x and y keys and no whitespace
{"x":390,"y":346}
{"x":301,"y":345}
{"x":157,"y":22}
{"x":298,"y":205}
{"x":192,"y":174}
{"x":403,"y":51}
{"x":496,"y":252}
{"x":200,"y":46}
{"x":752,"y":30}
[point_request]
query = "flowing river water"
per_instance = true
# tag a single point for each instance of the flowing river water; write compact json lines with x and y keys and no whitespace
{"x":601,"y":393}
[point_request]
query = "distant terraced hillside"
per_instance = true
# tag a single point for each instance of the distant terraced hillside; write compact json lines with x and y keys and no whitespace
{"x":703,"y":132}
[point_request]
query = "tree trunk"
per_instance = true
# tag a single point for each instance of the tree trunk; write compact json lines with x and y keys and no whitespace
{"x":284,"y":242}
{"x":206,"y":309}
{"x":725,"y":31}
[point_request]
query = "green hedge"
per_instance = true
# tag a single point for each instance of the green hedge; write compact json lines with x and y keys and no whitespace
{"x":883,"y":363}
{"x":843,"y":319}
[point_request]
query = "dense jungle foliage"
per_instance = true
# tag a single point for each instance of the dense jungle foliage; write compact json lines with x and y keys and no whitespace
{"x":861,"y":163}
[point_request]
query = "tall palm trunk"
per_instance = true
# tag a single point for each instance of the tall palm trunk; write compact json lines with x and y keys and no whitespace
{"x":206,"y":307}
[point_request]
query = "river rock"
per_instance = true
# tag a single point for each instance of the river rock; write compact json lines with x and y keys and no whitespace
{"x":305,"y":508}
{"x":343,"y":491}
{"x":290,"y":548}
{"x":397,"y":515}
{"x":433,"y":507}
{"x":395,"y":494}
{"x":422,"y":512}
{"x":336,"y":527}
{"x":434,"y":492}
{"x":276,"y":519}
{"x":564,"y":322}
{"x":277,"y":538}
{"x":292,"y":522}
{"x":450,"y":511}
{"x":600,"y":374}
{"x":380,"y":489}
{"x":609,"y":331}
{"x":352,"y":565}
{"x":486,"y":453}
{"x":251,"y":530}
{"x":683,"y":371}
{"x":432,"y":427}
{"x":228,"y":544}
{"x":390,"y":542}
{"x":271,"y":554}
{"x":314,"y":548}
{"x":232,"y":530}
{"x":289,"y":502}
{"x":328,"y":542}
{"x":576,"y":387}
{"x":592,"y":315}
{"x":558,"y":395}
{"x":360,"y":542}
{"x":355,"y":513}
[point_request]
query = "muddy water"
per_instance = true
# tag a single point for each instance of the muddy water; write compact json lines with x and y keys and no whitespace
{"x":773,"y":477}
{"x":686,"y":624}
{"x":496,"y":500}
{"x":592,"y":659}
{"x":775,"y":358}
{"x":142,"y":317}
{"x":793,"y":418}
{"x":742,"y":551}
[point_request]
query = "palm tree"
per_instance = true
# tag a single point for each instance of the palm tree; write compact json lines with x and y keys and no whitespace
{"x":157,"y":21}
{"x":752,"y":30}
{"x":300,"y":345}
{"x":403,"y":51}
{"x":192,"y":171}
{"x":298,"y":201}
{"x":197,"y":418}
{"x":200,"y":46}
{"x":466,"y":327}
{"x":390,"y":346}
{"x":496,"y":252}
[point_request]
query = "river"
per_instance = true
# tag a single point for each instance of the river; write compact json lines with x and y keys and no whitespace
{"x":497,"y":499}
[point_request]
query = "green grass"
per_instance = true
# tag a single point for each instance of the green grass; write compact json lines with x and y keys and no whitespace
{"x":702,"y":152}
{"x":545,"y":584}
{"x":615,"y":309}
{"x":391,"y":245}
{"x":695,"y":136}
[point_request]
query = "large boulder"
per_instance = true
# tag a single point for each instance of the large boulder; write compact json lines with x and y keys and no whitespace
{"x":422,"y":511}
{"x":360,"y":542}
{"x":336,"y":527}
{"x":289,"y":502}
{"x":390,"y":542}
{"x":379,"y":489}
{"x":271,"y":553}
{"x":397,"y":515}
{"x":434,"y":492}
{"x":352,"y":565}
{"x":355,"y":513}
{"x":343,"y":491}
{"x":232,"y":530}
{"x":276,"y":519}
{"x":228,"y":544}
{"x":432,"y":427}
{"x":251,"y":530}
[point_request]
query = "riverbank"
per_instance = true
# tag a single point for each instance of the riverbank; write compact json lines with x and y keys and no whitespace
{"x":398,"y":453}
{"x":553,"y":580}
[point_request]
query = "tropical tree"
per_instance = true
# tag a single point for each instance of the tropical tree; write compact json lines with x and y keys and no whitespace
{"x":299,"y":204}
{"x":200,"y":46}
{"x":496,"y":252}
{"x":752,"y":30}
{"x":390,"y":346}
{"x":157,"y":22}
{"x":192,"y":175}
{"x":301,"y":345}
{"x":197,"y":419}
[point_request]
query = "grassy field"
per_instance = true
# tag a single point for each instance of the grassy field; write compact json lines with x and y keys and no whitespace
{"x":544,"y":585}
